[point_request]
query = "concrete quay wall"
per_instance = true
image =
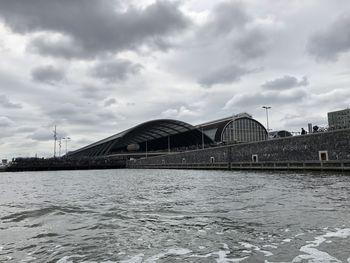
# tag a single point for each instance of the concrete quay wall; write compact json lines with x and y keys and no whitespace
{"x":333,"y":145}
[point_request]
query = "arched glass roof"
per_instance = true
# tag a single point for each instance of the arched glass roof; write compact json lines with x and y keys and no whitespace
{"x":147,"y":131}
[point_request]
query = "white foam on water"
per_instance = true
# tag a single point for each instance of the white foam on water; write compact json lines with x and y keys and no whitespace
{"x":256,"y":248}
{"x":270,"y":246}
{"x":66,"y":259}
{"x":223,"y":257}
{"x":315,"y":255}
{"x":300,"y":234}
{"x":1,"y":248}
{"x":342,"y":233}
{"x":172,"y":251}
{"x":246,"y":245}
{"x":28,"y":259}
{"x":287,"y":240}
{"x":348,"y":260}
{"x":225,"y":246}
{"x":201,"y":247}
{"x":135,"y":259}
{"x":266,"y":261}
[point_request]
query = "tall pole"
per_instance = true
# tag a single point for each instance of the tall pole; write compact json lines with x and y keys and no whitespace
{"x":146,"y":148}
{"x":55,"y":139}
{"x":59,"y":146}
{"x":66,"y":140}
{"x":267,"y":117}
{"x":202,"y":139}
{"x":168,"y":144}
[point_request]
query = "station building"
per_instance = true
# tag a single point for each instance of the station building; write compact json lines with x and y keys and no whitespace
{"x":238,"y":128}
{"x":165,"y":135}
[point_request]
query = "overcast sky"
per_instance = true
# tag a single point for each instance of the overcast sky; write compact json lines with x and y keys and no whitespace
{"x":95,"y":68}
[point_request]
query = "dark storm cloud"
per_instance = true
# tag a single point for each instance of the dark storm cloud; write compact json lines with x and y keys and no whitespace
{"x":332,"y":42}
{"x":87,"y":28}
{"x":224,"y":75}
{"x":6,"y":103}
{"x":286,"y":82}
{"x":114,"y":71}
{"x":47,"y":74}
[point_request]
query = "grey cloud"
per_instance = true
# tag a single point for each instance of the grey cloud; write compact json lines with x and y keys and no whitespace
{"x":286,"y":82}
{"x":332,"y":42}
{"x":224,"y":75}
{"x":93,"y":92}
{"x":252,"y":44}
{"x":5,"y":102}
{"x":45,"y":135}
{"x":107,"y":115}
{"x":225,"y":17}
{"x":116,"y":70}
{"x":229,"y":24}
{"x":225,"y":47}
{"x":254,"y":100}
{"x":5,"y":122}
{"x":94,"y":27}
{"x":86,"y":115}
{"x":65,"y":47}
{"x":41,"y":135}
{"x":47,"y":74}
{"x":25,"y":129}
{"x":110,"y":102}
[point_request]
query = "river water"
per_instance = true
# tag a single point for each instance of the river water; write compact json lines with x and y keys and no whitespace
{"x":133,"y":216}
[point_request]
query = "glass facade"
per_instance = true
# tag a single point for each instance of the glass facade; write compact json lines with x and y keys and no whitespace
{"x":244,"y":130}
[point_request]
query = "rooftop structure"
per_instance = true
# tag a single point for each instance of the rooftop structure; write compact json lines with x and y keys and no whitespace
{"x":339,"y":119}
{"x":234,"y":129}
{"x":161,"y":136}
{"x":152,"y":136}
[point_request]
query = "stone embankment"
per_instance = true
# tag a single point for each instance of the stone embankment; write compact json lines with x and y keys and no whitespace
{"x":317,"y":151}
{"x":41,"y":164}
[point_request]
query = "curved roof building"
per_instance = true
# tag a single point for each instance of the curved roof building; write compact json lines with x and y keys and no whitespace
{"x":239,"y":128}
{"x":152,"y":136}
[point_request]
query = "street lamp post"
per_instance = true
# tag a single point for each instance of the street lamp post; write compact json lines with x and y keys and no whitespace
{"x":267,"y":117}
{"x":66,"y":139}
{"x":202,"y":138}
{"x":55,"y":140}
{"x":59,"y":146}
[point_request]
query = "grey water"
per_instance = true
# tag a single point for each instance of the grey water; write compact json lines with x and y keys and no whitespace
{"x":149,"y":216}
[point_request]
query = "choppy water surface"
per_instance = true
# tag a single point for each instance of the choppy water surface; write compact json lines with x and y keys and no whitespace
{"x":174,"y":216}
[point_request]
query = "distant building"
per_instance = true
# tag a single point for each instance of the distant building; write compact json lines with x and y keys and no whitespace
{"x":280,"y":134}
{"x":166,"y":135}
{"x":238,"y":128}
{"x":339,"y":119}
